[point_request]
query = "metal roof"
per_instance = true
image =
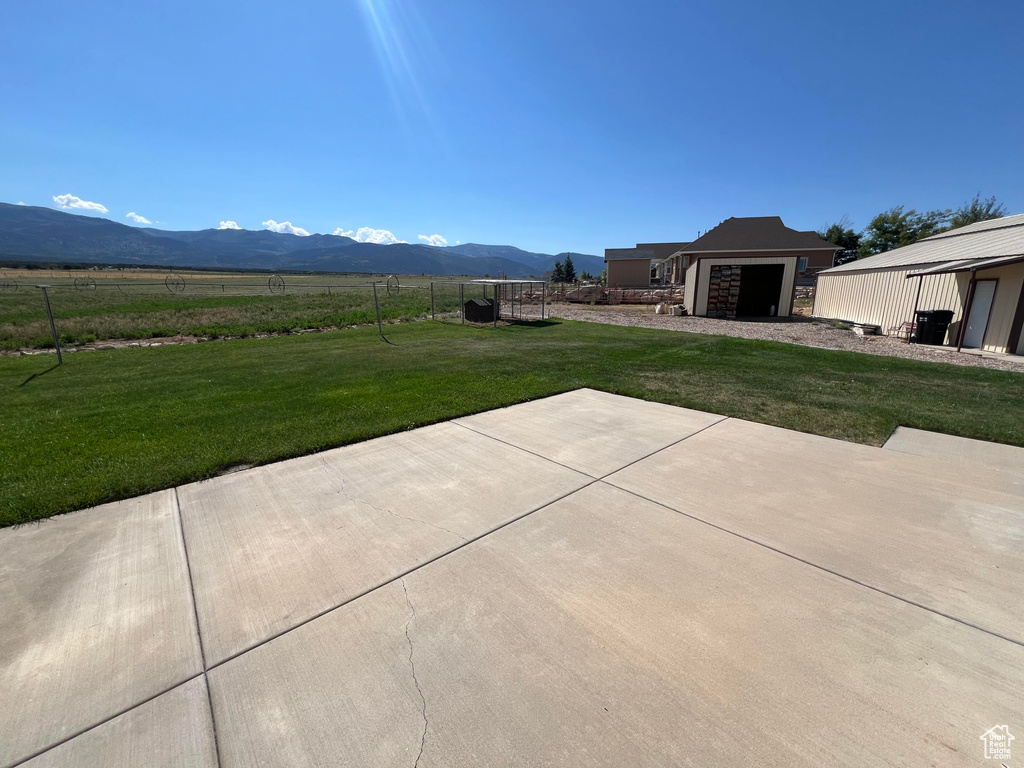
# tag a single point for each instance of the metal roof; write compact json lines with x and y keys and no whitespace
{"x":983,"y":240}
{"x":968,"y":265}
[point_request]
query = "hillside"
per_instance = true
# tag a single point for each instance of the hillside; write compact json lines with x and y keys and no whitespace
{"x":541,"y":262}
{"x":42,"y":234}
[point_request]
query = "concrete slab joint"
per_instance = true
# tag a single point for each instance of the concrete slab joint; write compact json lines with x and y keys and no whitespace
{"x":663,"y":586}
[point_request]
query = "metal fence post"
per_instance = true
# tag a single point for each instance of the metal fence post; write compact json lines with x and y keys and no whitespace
{"x":376,"y":304}
{"x":53,"y":328}
{"x":543,"y":298}
{"x":432,"y":317}
{"x":462,"y":302}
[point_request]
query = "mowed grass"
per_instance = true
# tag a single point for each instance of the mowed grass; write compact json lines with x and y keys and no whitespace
{"x":110,"y":425}
{"x":141,"y":307}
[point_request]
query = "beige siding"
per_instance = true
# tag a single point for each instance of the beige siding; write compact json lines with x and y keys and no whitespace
{"x":884,"y":297}
{"x":691,"y":281}
{"x":700,"y":301}
{"x":1004,"y":304}
{"x":629,"y":273}
{"x":680,"y":265}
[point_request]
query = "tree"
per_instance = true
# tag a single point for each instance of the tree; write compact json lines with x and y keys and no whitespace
{"x":896,"y":228}
{"x":586,"y":277}
{"x":977,"y":210}
{"x":842,"y":234}
{"x":558,"y":273}
{"x":569,"y":270}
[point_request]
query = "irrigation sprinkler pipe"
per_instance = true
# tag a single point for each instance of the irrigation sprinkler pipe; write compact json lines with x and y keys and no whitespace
{"x":376,"y":305}
{"x":53,"y":328}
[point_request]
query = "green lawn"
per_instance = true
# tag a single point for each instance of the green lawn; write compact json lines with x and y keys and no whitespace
{"x":109,"y":425}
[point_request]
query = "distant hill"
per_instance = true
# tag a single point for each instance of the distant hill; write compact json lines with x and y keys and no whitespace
{"x":403,"y":258}
{"x":41,"y":233}
{"x":32,"y":233}
{"x":541,"y":262}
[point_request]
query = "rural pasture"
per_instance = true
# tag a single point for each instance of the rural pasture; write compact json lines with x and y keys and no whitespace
{"x":96,"y":305}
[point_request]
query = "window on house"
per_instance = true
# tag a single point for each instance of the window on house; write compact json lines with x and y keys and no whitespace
{"x":802,"y":265}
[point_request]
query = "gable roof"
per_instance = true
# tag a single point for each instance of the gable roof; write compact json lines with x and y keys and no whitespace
{"x":982,"y":240}
{"x":624,"y":254}
{"x":663,"y":250}
{"x":757,"y":233}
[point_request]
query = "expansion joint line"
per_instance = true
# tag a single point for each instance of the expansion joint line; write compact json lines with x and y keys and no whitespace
{"x":415,"y":679}
{"x":199,"y":634}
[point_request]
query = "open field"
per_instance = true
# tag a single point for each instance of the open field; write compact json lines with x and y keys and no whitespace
{"x":137,"y":304}
{"x":110,"y":425}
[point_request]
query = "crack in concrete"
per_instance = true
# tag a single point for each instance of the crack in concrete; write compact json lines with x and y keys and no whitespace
{"x":344,"y":493}
{"x":415,"y":679}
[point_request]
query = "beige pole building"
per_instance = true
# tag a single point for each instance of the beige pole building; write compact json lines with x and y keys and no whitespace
{"x":976,"y":272}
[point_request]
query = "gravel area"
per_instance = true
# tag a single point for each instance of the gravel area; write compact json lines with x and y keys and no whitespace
{"x":796,"y":330}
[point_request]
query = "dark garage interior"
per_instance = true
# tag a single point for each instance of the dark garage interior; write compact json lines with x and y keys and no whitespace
{"x":760,"y":289}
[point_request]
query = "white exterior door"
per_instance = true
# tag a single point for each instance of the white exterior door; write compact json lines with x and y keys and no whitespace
{"x":977,"y":323}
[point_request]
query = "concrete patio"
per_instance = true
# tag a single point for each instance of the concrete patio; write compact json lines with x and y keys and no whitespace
{"x":586,"y":579}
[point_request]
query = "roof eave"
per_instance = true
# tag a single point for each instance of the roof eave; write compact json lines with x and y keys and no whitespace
{"x":972,"y":265}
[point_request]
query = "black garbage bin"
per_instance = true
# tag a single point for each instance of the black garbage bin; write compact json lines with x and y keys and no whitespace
{"x":923,"y":327}
{"x":931,"y":326}
{"x":941,"y":318}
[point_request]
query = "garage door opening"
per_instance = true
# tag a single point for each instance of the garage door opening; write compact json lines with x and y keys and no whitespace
{"x":760,"y":290}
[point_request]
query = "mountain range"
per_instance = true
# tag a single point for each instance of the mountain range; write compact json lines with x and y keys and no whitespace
{"x":31,"y":233}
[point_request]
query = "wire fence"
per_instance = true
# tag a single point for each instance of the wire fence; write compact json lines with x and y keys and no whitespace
{"x":68,"y":299}
{"x":594,"y":293}
{"x":100,"y":309}
{"x":496,"y":301}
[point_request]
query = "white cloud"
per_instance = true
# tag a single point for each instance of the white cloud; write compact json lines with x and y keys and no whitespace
{"x":435,"y":240}
{"x":228,"y":225}
{"x":370,"y":235}
{"x":70,"y":201}
{"x":137,"y":219}
{"x":285,"y":227}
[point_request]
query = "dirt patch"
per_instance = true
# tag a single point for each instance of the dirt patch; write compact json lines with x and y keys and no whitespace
{"x":167,"y":341}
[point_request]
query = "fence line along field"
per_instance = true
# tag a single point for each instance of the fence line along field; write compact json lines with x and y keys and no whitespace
{"x":99,"y":304}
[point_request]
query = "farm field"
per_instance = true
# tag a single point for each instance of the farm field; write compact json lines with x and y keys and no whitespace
{"x":114,"y":424}
{"x":91,"y":305}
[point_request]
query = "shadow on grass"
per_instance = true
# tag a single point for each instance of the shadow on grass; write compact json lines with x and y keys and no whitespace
{"x":41,"y":373}
{"x":537,"y":323}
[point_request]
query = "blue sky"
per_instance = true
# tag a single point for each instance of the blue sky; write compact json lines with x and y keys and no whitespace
{"x":552,"y":126}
